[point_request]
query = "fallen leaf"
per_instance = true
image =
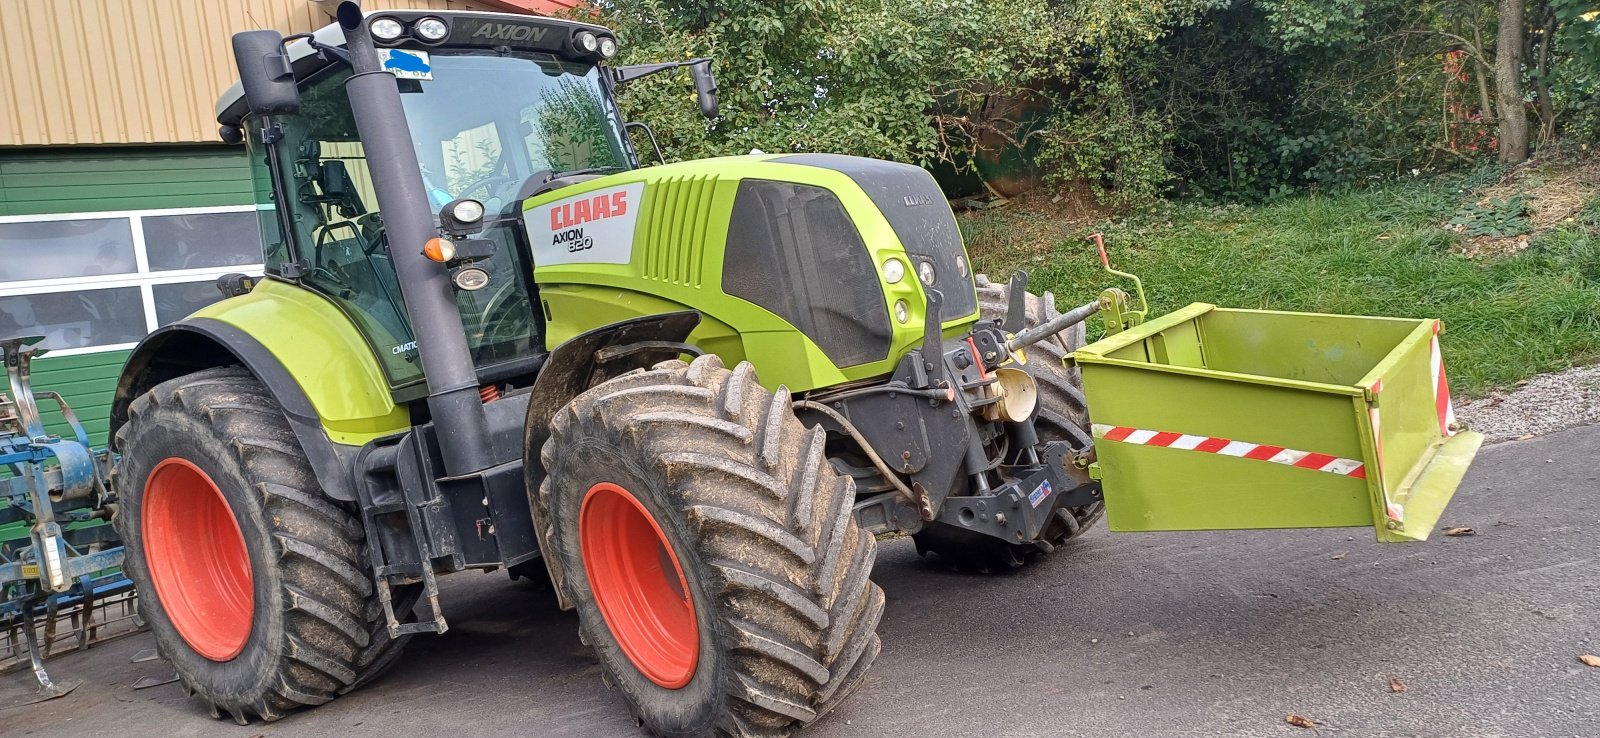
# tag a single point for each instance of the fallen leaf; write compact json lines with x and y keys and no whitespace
{"x":1340,"y":555}
{"x":1459,"y":532}
{"x":1300,"y":721}
{"x":1590,"y":659}
{"x":1396,"y":686}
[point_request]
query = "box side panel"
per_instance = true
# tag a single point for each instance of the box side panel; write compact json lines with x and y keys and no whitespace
{"x":1331,"y":349}
{"x":1405,"y":416}
{"x":1178,"y":346}
{"x":1197,"y":481}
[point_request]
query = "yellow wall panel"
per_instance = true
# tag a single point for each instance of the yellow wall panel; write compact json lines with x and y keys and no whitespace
{"x":138,"y":71}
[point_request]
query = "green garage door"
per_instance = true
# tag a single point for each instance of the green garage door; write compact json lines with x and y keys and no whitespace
{"x":100,"y":246}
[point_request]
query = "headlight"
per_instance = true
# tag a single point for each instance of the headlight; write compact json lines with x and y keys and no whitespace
{"x":432,"y":29}
{"x":467,"y":211}
{"x":894,"y":270}
{"x":961,"y":266}
{"x":586,"y":41}
{"x":386,"y":29}
{"x":902,"y":311}
{"x":471,"y":279}
{"x":608,"y":46}
{"x":925,"y":272}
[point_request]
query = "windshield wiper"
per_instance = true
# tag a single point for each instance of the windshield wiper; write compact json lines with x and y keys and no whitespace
{"x":590,"y":170}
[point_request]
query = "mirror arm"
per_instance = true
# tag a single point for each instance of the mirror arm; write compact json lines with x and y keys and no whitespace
{"x":635,"y":71}
{"x":331,"y":53}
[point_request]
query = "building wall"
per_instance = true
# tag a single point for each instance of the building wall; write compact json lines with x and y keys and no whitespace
{"x":150,"y":209}
{"x":118,"y":206}
{"x":144,"y":71}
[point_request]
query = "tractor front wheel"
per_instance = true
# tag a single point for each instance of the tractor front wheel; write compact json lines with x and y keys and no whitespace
{"x":253,"y":582}
{"x":711,"y":551}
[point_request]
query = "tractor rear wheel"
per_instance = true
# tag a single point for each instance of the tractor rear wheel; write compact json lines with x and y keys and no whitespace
{"x":711,"y":551}
{"x":253,"y":582}
{"x":1063,"y":416}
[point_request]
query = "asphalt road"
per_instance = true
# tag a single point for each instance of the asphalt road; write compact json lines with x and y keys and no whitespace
{"x":1118,"y":635}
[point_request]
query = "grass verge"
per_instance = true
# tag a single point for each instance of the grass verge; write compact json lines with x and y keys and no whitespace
{"x":1381,"y":252}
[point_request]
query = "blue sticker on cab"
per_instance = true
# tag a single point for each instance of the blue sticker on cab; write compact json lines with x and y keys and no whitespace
{"x":405,"y":64}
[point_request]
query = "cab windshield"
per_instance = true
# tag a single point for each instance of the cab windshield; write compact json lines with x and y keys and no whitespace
{"x":484,"y":125}
{"x":491,"y":126}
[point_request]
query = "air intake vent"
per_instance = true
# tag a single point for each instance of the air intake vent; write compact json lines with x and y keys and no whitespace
{"x":679,"y":216}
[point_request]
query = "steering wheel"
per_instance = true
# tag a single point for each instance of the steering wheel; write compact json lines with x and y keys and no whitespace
{"x":492,"y":186}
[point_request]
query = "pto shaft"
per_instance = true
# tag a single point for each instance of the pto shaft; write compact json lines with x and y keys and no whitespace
{"x":1053,"y":326}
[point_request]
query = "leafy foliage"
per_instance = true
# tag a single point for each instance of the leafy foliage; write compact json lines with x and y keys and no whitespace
{"x":1497,"y":217}
{"x":924,"y":81}
{"x":1378,"y":251}
{"x":1231,"y":99}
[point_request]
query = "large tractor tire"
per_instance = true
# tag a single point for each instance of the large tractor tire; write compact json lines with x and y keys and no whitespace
{"x":711,"y":551}
{"x":1063,"y":416}
{"x":253,"y":582}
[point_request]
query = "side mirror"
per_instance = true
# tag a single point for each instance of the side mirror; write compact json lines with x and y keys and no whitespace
{"x":705,"y":87}
{"x":265,"y":72}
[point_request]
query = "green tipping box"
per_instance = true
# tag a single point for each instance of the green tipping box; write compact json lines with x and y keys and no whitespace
{"x":1211,"y":418}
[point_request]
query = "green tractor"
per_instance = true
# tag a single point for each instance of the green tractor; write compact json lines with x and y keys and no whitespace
{"x":487,"y":338}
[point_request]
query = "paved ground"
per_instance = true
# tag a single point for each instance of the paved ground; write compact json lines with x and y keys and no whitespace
{"x":1147,"y":635}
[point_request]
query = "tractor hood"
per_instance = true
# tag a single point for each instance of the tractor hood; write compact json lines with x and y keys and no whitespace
{"x":834,"y":254}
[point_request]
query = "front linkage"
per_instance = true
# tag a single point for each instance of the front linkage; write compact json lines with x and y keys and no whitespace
{"x":949,"y":439}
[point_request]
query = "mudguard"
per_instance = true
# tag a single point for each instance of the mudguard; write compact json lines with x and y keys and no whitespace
{"x":307,"y":354}
{"x":577,"y":364}
{"x":188,"y":346}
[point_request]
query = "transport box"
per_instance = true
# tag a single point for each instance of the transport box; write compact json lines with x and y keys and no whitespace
{"x":1213,"y":418}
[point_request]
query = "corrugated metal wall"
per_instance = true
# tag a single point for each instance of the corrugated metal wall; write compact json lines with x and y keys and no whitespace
{"x":38,"y":181}
{"x":89,"y":180}
{"x":136,"y":71}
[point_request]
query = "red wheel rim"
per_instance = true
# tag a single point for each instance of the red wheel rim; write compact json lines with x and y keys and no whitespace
{"x":638,"y":585}
{"x":197,"y":559}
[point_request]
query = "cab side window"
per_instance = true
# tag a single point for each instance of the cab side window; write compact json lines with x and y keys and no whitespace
{"x":337,"y":227}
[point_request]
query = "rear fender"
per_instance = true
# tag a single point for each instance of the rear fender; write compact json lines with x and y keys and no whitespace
{"x":306,"y":353}
{"x":576,"y":365}
{"x":190,"y":346}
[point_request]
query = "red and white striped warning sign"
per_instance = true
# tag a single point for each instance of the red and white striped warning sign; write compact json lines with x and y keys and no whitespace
{"x":1441,"y":388}
{"x":1229,"y":447}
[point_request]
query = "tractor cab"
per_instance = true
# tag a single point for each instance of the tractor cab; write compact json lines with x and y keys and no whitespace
{"x":499,"y":107}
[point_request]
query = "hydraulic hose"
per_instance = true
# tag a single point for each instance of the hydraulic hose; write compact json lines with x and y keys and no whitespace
{"x":889,"y":474}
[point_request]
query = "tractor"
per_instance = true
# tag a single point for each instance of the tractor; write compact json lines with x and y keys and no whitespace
{"x":690,"y":394}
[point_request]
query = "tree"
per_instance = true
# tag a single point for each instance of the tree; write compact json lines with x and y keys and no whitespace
{"x":1508,"y":82}
{"x":920,"y":81}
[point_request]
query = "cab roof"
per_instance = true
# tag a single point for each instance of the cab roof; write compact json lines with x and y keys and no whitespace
{"x":469,"y":29}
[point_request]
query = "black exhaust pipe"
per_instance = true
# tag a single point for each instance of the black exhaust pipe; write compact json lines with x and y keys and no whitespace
{"x":453,"y":398}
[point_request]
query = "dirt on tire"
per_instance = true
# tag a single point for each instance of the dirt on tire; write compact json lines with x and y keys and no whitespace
{"x":317,"y":629}
{"x":774,"y":562}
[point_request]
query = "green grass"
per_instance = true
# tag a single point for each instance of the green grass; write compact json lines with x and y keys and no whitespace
{"x":1379,"y":252}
